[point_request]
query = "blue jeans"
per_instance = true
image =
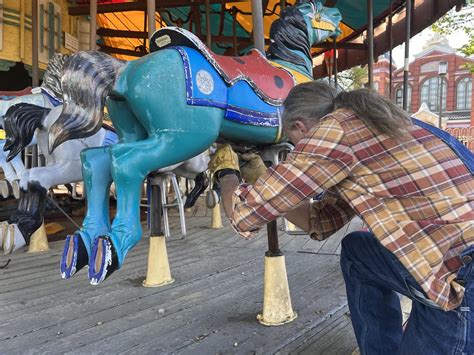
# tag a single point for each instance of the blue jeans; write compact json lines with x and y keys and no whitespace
{"x":373,"y":275}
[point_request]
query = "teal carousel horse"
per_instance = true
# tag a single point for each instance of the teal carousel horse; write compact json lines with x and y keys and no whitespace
{"x":171,"y":105}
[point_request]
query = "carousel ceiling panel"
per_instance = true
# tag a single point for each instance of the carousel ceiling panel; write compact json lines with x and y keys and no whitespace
{"x":354,"y":22}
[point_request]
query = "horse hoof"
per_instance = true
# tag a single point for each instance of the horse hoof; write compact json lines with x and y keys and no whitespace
{"x":16,"y":189}
{"x":3,"y":232}
{"x":5,"y":188}
{"x":212,"y":199}
{"x":13,"y":240}
{"x":74,"y":256}
{"x":103,"y":261}
{"x":202,"y":182}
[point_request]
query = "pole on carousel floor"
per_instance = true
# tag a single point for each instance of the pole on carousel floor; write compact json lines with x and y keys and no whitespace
{"x":407,"y":54}
{"x":257,"y":25}
{"x":370,"y":39}
{"x":151,"y":10}
{"x":334,"y":48}
{"x":208,"y":24}
{"x":34,"y":65}
{"x":277,"y":306}
{"x":93,"y":25}
{"x":390,"y":36}
{"x":234,"y":30}
{"x":158,"y":271}
{"x":35,"y":43}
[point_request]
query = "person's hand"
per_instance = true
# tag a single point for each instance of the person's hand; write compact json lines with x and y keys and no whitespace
{"x":253,"y":168}
{"x":224,"y":158}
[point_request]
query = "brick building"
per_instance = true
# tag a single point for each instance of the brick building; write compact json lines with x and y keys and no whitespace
{"x":424,"y":83}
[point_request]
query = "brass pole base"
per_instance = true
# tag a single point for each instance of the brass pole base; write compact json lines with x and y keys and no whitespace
{"x":39,"y":241}
{"x":277,"y":309}
{"x":216,"y":220}
{"x":158,"y":271}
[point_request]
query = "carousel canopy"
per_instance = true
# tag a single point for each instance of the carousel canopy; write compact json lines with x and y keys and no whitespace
{"x":122,"y":25}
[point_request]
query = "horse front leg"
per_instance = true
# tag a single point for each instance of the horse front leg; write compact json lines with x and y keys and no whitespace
{"x":36,"y":182}
{"x":97,"y":180}
{"x":26,"y":224}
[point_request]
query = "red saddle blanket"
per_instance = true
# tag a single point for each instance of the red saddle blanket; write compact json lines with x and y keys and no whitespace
{"x":272,"y":84}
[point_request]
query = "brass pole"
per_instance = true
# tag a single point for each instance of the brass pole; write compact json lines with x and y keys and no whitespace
{"x":93,"y":25}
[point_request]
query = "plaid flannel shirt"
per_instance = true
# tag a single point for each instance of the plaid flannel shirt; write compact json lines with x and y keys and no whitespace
{"x":416,"y":196}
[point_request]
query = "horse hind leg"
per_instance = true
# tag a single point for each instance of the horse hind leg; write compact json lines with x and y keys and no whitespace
{"x":97,"y":179}
{"x":131,"y":163}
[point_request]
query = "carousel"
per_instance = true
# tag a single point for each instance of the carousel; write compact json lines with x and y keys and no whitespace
{"x":148,"y":264}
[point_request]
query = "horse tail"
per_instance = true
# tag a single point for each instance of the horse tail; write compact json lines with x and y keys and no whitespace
{"x":86,"y":81}
{"x":21,"y":121}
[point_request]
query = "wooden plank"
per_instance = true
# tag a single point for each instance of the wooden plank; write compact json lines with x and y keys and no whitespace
{"x":170,"y":329}
{"x":144,"y":304}
{"x":210,"y":307}
{"x":127,"y":296}
{"x":333,"y":336}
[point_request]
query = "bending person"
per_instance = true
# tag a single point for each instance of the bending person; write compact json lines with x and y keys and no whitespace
{"x":361,"y":155}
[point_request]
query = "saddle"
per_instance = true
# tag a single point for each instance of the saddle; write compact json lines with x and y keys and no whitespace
{"x":270,"y":83}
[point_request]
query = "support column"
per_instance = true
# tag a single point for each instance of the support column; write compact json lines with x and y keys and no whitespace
{"x":407,"y":54}
{"x":334,"y":69}
{"x":370,"y":39}
{"x":208,"y":24}
{"x":234,"y":31}
{"x":35,"y":40}
{"x":93,"y":25}
{"x":390,"y":36}
{"x":158,"y":270}
{"x":257,"y":25}
{"x":151,"y":10}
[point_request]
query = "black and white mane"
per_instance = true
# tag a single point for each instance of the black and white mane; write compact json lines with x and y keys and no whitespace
{"x":287,"y":34}
{"x":21,"y":121}
{"x":52,"y":76}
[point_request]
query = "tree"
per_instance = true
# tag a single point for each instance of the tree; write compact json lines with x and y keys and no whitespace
{"x":354,"y":78}
{"x":459,"y":21}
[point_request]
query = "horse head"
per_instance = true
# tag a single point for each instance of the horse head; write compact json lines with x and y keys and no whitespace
{"x":322,"y":22}
{"x":298,"y":29}
{"x":21,"y":121}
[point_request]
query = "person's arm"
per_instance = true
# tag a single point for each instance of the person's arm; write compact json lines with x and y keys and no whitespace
{"x":318,"y":162}
{"x":327,"y":215}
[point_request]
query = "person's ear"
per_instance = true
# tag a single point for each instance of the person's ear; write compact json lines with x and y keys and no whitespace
{"x":301,"y":127}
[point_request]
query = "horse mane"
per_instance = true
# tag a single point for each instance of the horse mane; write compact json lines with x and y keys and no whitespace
{"x":287,"y":34}
{"x":21,"y":121}
{"x":52,"y":76}
{"x":87,"y":79}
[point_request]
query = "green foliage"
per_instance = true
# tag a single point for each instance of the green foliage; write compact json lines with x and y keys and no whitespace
{"x":459,"y":21}
{"x":354,"y":78}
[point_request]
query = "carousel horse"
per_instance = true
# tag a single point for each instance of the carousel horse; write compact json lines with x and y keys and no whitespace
{"x":11,"y":170}
{"x":48,"y":95}
{"x":63,"y":166}
{"x":172,"y":104}
{"x":27,"y":123}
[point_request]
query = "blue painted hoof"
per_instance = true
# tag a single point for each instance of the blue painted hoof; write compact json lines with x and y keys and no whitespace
{"x":103,"y":261}
{"x":74,"y":256}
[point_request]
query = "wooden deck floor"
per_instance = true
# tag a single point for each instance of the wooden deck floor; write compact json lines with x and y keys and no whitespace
{"x":211,"y":308}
